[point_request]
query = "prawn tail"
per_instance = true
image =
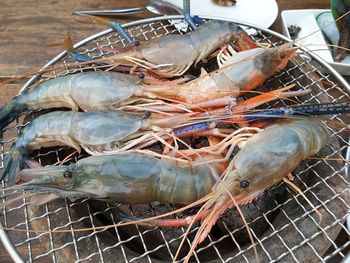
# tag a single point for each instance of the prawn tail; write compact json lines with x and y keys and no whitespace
{"x":68,"y":43}
{"x":100,"y":20}
{"x":15,"y":160}
{"x":9,"y":112}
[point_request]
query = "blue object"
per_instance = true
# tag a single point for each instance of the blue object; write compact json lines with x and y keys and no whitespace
{"x":197,"y":20}
{"x":117,"y":27}
{"x":187,"y":14}
{"x":300,"y":110}
{"x":78,"y":57}
{"x":202,"y":126}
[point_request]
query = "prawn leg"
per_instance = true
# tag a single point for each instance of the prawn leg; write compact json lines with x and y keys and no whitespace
{"x":219,"y":102}
{"x":231,"y":106}
{"x":116,"y":26}
{"x":178,"y":222}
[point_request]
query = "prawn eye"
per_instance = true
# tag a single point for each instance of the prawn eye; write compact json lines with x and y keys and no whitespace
{"x":148,"y":114}
{"x":244,"y":184}
{"x":67,"y":174}
{"x":282,"y":55}
{"x":141,"y":75}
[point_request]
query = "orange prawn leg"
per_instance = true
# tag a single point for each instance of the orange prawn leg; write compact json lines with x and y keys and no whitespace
{"x":149,"y":80}
{"x":182,"y":222}
{"x":154,"y":78}
{"x":200,"y":106}
{"x":267,"y":97}
{"x":214,"y":140}
{"x":213,"y":136}
{"x":257,"y":101}
{"x":166,"y":149}
{"x":262,"y":98}
{"x":223,"y":101}
{"x":178,"y":222}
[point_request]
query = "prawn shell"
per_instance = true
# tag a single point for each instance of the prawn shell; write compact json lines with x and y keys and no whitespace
{"x":158,"y":52}
{"x":133,"y":178}
{"x":114,"y":89}
{"x":125,"y":178}
{"x":275,"y":152}
{"x":249,"y":69}
{"x":112,"y":126}
{"x":194,"y":46}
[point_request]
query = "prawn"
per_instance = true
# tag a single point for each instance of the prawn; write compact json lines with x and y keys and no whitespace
{"x":110,"y":90}
{"x":245,"y":71}
{"x":265,"y":160}
{"x":93,"y":131}
{"x":125,"y":177}
{"x":161,"y":56}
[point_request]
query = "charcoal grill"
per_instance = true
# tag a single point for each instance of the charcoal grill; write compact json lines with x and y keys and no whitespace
{"x":284,"y":226}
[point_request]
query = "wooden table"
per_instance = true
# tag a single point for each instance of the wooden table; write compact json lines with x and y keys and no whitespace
{"x":31,"y":33}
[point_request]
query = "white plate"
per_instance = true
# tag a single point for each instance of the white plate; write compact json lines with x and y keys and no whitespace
{"x":306,"y":20}
{"x":259,"y":12}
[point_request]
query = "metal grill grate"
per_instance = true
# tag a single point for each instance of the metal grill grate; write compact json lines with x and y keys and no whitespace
{"x":283,"y":224}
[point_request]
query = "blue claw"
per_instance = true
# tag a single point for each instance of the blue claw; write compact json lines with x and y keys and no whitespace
{"x":117,"y":27}
{"x":300,"y":110}
{"x":197,"y":20}
{"x":202,"y":126}
{"x":78,"y":57}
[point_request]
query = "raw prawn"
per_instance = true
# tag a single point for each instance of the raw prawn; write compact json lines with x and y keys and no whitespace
{"x":94,"y":131}
{"x":243,"y":72}
{"x":109,"y":90}
{"x":126,"y":177}
{"x":174,"y":54}
{"x":264,"y":161}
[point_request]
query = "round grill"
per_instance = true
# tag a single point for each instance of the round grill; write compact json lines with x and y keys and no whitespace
{"x":284,"y":225}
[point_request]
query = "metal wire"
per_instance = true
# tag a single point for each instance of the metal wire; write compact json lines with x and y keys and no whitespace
{"x":284,"y":226}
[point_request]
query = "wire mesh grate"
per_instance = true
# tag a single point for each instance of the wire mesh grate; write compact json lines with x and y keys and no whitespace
{"x":284,"y":225}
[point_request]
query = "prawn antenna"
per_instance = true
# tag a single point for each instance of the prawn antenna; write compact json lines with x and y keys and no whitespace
{"x":296,"y":189}
{"x":246,"y":225}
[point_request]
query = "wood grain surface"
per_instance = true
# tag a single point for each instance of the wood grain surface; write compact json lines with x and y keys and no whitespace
{"x":29,"y":27}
